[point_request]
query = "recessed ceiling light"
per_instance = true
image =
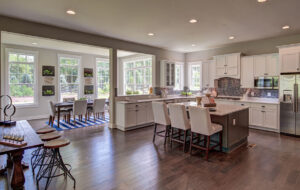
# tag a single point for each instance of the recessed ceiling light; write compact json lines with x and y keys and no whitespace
{"x":286,"y":27}
{"x":193,"y":45}
{"x":193,"y":21}
{"x":70,"y":12}
{"x":231,"y":37}
{"x":150,"y":34}
{"x":34,"y":43}
{"x":261,"y":1}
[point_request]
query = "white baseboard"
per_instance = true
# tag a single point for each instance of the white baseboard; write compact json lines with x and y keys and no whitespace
{"x":264,"y":129}
{"x":32,"y":117}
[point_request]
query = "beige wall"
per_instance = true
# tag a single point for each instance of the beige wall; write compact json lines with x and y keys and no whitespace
{"x":248,"y":48}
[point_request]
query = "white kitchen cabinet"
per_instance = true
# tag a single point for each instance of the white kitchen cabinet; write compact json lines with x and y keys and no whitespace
{"x":247,"y":73}
{"x":205,"y":74}
{"x":141,"y":114}
{"x":167,"y":73}
{"x":150,"y":116}
{"x":256,"y":117}
{"x":290,"y":62}
{"x":228,"y":65}
{"x":212,"y":73}
{"x":270,"y":119}
{"x":265,"y":116}
{"x":266,"y":65}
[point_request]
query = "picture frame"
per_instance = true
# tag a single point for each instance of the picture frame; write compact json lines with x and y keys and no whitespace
{"x":88,"y":89}
{"x":88,"y":72}
{"x":48,"y":71}
{"x":48,"y":90}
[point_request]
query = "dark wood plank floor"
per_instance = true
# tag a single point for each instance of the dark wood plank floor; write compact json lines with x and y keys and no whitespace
{"x":110,"y":159}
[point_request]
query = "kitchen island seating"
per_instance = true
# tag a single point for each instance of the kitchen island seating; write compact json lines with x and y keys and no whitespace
{"x":180,"y":123}
{"x":54,"y":113}
{"x":201,"y":125}
{"x":161,"y":117}
{"x":79,"y":109}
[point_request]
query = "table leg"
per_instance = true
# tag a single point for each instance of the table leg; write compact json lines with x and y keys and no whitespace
{"x":17,"y":178}
{"x":58,"y":116}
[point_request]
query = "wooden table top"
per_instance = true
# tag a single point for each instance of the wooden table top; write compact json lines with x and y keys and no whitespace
{"x":30,"y":136}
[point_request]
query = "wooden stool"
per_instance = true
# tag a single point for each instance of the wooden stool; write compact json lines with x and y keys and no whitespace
{"x":45,"y":130}
{"x":51,"y":169}
{"x":50,"y":136}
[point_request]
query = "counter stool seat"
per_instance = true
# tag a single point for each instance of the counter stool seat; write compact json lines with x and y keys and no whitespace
{"x":57,"y":143}
{"x":50,"y":136}
{"x":45,"y":130}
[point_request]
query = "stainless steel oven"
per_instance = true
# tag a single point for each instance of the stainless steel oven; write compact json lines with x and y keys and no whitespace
{"x":266,"y":82}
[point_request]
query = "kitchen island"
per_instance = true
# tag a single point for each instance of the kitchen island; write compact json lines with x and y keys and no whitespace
{"x":235,"y":122}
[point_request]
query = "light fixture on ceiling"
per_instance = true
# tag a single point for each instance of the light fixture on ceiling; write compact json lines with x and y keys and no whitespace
{"x":193,"y":21}
{"x":261,"y":1}
{"x":34,"y":43}
{"x":193,"y":45}
{"x":286,"y":27}
{"x":150,"y":34}
{"x":231,"y":37}
{"x":70,"y":12}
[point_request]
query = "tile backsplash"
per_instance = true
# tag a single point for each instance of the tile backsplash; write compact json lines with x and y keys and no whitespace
{"x":231,"y":87}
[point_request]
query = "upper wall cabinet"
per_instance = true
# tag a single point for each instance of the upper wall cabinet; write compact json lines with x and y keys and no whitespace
{"x":289,"y":57}
{"x":208,"y":74}
{"x":247,"y":73}
{"x":167,"y":73}
{"x":228,"y":65}
{"x":266,"y":65}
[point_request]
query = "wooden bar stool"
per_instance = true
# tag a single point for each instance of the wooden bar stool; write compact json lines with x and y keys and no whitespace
{"x":201,"y":124}
{"x":45,"y":130}
{"x":56,"y":166}
{"x":161,"y":117}
{"x":180,"y":122}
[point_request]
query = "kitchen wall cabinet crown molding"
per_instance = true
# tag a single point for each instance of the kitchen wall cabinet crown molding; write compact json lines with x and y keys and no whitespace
{"x":289,"y":58}
{"x":228,"y":65}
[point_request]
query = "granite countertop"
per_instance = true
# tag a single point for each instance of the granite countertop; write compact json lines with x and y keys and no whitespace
{"x":156,"y":99}
{"x":255,"y":100}
{"x":221,"y":109}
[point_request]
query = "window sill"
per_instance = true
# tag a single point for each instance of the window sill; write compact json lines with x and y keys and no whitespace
{"x":20,"y":106}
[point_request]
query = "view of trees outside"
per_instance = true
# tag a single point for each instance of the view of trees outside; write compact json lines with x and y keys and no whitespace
{"x":178,"y":77}
{"x":195,"y":77}
{"x":138,"y":76}
{"x":69,"y":77}
{"x":102,"y":78}
{"x":21,"y":78}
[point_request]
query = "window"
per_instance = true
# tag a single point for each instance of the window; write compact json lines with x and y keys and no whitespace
{"x":22,"y":86}
{"x":137,"y":76}
{"x":102,"y":77}
{"x":195,"y":76}
{"x":179,"y":70}
{"x":69,"y":76}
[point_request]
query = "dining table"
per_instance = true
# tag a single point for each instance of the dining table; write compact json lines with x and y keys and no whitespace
{"x":65,"y":105}
{"x":15,"y":154}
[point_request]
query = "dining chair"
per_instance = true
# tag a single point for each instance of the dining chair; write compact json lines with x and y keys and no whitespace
{"x":180,"y":122}
{"x":97,"y":108}
{"x":54,"y":113}
{"x":79,"y":109}
{"x":201,"y":125}
{"x":161,"y":117}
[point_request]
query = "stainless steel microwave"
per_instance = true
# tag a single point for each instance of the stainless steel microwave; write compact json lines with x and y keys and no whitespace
{"x":266,"y":82}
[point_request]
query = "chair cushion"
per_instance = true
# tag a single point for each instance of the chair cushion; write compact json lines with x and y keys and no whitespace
{"x":216,"y":128}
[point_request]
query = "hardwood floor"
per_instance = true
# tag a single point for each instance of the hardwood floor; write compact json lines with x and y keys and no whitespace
{"x":103,"y":158}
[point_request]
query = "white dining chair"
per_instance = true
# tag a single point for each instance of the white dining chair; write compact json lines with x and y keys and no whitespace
{"x":201,"y":125}
{"x":98,"y":108}
{"x":180,"y":122}
{"x":161,"y":117}
{"x":53,"y":113}
{"x":79,"y":109}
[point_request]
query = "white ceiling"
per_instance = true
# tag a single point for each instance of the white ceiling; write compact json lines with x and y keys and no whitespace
{"x":131,"y":20}
{"x":24,"y":40}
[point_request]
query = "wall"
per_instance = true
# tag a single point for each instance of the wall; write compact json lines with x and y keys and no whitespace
{"x":248,"y":48}
{"x":48,"y":57}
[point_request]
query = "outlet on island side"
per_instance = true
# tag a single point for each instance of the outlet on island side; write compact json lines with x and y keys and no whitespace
{"x":269,"y":94}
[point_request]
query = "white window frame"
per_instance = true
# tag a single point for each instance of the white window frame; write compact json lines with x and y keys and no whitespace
{"x":36,"y":89}
{"x":190,"y":65}
{"x":136,"y":59}
{"x":102,"y":59}
{"x":79,"y":73}
{"x":181,"y":80}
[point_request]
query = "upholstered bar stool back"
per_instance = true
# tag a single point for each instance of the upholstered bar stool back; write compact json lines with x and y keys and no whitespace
{"x":160,"y":113}
{"x":178,"y":116}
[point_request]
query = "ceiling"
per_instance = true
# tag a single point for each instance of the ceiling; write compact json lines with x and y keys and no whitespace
{"x":38,"y":42}
{"x":132,"y":20}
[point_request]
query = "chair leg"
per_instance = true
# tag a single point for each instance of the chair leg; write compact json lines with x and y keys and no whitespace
{"x":221,"y":140}
{"x":85,"y":117}
{"x":184,"y":140}
{"x":207,"y":148}
{"x":50,"y":119}
{"x":191,"y":142}
{"x":53,"y":119}
{"x":166,"y":134}
{"x":171,"y":137}
{"x":154,"y":134}
{"x":74,"y":117}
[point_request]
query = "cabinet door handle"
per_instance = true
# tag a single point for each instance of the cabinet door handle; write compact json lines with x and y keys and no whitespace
{"x":242,"y":104}
{"x":297,"y":69}
{"x":263,"y":106}
{"x":263,"y":111}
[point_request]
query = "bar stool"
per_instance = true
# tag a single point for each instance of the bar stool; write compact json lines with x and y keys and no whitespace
{"x":180,"y":122}
{"x":201,"y":124}
{"x":161,"y":117}
{"x":39,"y":152}
{"x":51,"y":169}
